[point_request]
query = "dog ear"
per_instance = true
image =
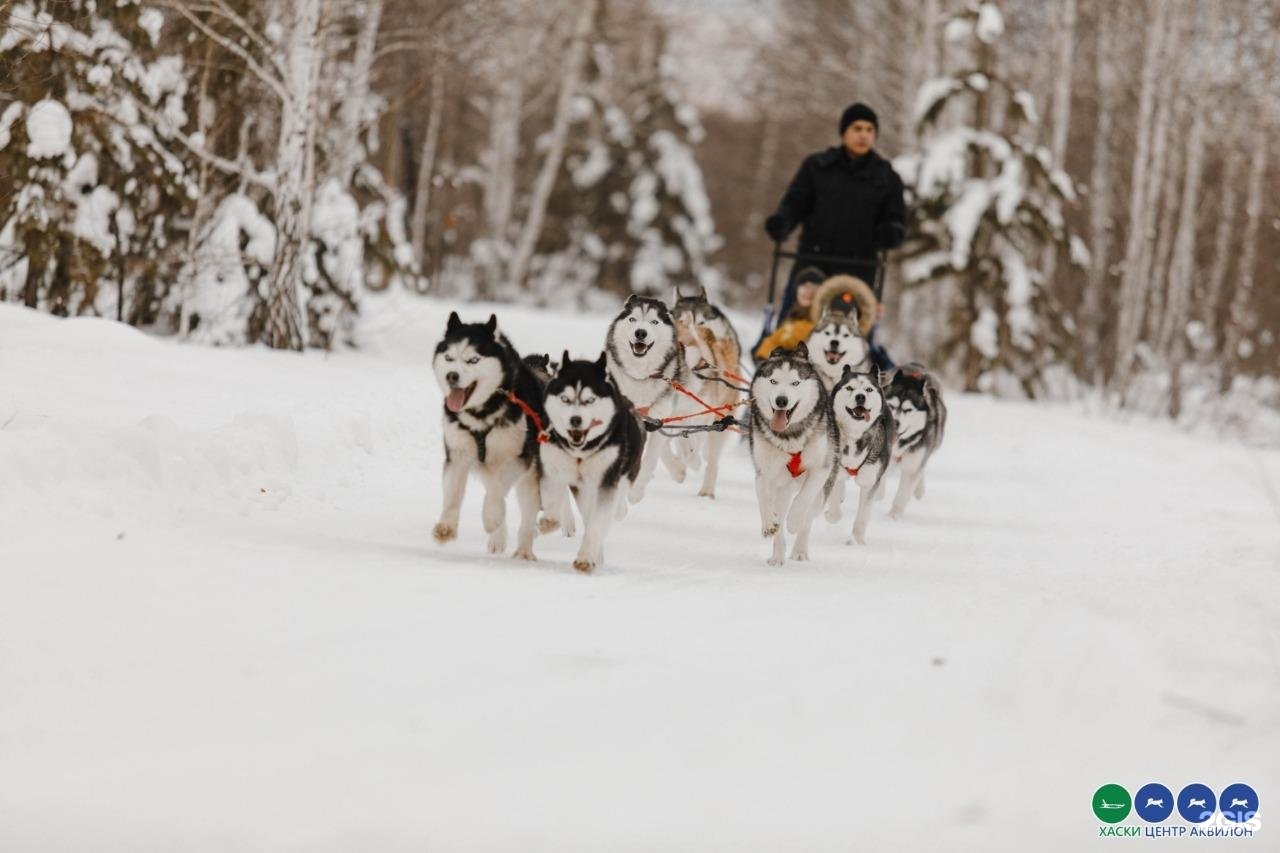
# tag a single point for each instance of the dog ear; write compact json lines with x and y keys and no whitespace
{"x":631,"y":300}
{"x":564,"y":359}
{"x":492,"y":325}
{"x":844,"y":374}
{"x":454,"y":322}
{"x":886,"y":377}
{"x":802,"y":350}
{"x":603,"y":360}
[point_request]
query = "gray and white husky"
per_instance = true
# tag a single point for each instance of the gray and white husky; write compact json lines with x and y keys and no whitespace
{"x":644,"y":358}
{"x":793,"y":447}
{"x":594,"y":449}
{"x":915,"y":397}
{"x":867,"y":432}
{"x":485,"y":429}
{"x":835,"y":343}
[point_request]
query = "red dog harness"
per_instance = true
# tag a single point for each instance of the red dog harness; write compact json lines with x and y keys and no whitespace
{"x":795,"y":465}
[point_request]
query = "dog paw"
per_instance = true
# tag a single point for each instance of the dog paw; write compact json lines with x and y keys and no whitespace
{"x":706,"y":492}
{"x":832,"y":514}
{"x":799,"y":556}
{"x":896,"y":514}
{"x":498,"y":541}
{"x":584,"y":565}
{"x":776,"y":561}
{"x":859,"y":538}
{"x":678,"y":474}
{"x":770,"y":530}
{"x":444,"y":532}
{"x":547,"y":524}
{"x":635,"y":495}
{"x":524,"y":553}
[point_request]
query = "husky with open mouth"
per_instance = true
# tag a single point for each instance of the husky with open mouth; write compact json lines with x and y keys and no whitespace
{"x":644,"y":360}
{"x":793,"y":446}
{"x":486,"y":428}
{"x":867,"y":432}
{"x":915,"y":396}
{"x":595,"y":449}
{"x":836,"y":343}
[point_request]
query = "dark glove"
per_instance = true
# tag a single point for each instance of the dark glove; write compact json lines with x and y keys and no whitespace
{"x":888,"y":235}
{"x":776,"y":227}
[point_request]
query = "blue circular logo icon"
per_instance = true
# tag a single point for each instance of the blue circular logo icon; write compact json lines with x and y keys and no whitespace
{"x":1239,"y":803}
{"x":1196,"y":803}
{"x":1153,"y":802}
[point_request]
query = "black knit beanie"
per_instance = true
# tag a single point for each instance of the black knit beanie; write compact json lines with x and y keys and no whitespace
{"x":810,"y":275}
{"x":858,"y":112}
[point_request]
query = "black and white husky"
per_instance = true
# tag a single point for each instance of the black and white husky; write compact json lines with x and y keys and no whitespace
{"x":594,"y":450}
{"x":484,"y":428}
{"x":915,"y":397}
{"x":793,"y":446}
{"x":644,"y":359}
{"x":867,"y":432}
{"x":835,"y":343}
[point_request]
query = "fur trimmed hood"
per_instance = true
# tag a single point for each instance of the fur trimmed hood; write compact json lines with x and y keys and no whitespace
{"x":863,"y":297}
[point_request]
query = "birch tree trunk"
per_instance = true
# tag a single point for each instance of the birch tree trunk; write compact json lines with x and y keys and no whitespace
{"x":1131,"y":296}
{"x":571,"y":77}
{"x":350,"y":149}
{"x":1093,"y":313}
{"x":427,"y":164}
{"x":1060,"y":108}
{"x":292,"y":209}
{"x":1223,"y":251}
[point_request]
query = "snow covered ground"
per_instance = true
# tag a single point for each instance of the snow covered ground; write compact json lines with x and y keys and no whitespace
{"x":224,"y":625}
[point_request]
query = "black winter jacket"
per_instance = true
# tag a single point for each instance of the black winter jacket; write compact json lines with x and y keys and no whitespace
{"x":851,"y":207}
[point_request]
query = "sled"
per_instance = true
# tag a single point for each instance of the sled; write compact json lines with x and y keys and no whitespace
{"x":771,"y":307}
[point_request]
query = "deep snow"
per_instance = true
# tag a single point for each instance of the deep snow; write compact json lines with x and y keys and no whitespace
{"x":224,"y":625}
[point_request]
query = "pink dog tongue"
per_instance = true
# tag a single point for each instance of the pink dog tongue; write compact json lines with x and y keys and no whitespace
{"x":779,"y":420}
{"x":457,"y":397}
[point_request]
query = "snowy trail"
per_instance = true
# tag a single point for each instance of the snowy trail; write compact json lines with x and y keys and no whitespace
{"x":223,"y":625}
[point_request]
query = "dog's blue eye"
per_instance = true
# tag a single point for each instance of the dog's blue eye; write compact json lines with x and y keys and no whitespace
{"x":795,"y":384}
{"x":473,"y":360}
{"x":448,"y":358}
{"x":773,"y":382}
{"x":631,"y":319}
{"x":587,"y":401}
{"x":565,"y":399}
{"x":653,"y":322}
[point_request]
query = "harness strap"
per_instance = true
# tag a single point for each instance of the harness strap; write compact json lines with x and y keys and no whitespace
{"x":543,"y":438}
{"x":853,"y":472}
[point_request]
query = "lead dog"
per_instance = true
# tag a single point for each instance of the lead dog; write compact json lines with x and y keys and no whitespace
{"x":485,"y":429}
{"x":793,"y":447}
{"x":915,"y":397}
{"x":644,"y":359}
{"x":867,"y":432}
{"x":594,"y":449}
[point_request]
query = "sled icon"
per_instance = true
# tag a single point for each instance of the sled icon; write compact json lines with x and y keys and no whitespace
{"x":1152,"y":801}
{"x":1105,"y":805}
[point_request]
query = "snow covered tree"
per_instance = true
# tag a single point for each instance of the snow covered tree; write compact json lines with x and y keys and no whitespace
{"x":985,"y":203}
{"x":87,"y":138}
{"x":633,"y":207}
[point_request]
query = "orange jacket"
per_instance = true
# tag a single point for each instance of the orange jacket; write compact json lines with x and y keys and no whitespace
{"x":788,"y":335}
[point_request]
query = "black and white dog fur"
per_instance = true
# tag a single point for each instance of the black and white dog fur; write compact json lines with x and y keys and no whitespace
{"x":867,"y":432}
{"x":476,"y":367}
{"x":793,"y":447}
{"x":915,"y":397}
{"x":595,"y":449}
{"x":835,"y":343}
{"x":644,"y":358}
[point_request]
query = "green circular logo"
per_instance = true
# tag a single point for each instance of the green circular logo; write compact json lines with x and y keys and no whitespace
{"x":1111,"y":803}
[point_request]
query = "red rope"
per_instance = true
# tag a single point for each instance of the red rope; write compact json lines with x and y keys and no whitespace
{"x":708,"y":409}
{"x":543,"y":438}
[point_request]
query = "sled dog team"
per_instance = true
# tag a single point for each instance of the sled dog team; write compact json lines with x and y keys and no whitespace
{"x":816,"y":417}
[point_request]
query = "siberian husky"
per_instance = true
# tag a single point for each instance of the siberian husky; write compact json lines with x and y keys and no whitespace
{"x":915,"y":397}
{"x":713,"y":352}
{"x":482,"y":377}
{"x":793,"y":446}
{"x":867,"y":432}
{"x":644,"y":360}
{"x":835,"y":343}
{"x":595,"y":448}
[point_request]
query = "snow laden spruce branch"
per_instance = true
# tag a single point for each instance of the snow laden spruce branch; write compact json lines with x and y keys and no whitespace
{"x":985,"y":202}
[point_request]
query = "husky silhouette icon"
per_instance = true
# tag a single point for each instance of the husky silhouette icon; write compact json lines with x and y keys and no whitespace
{"x":1244,"y":804}
{"x":1153,"y":801}
{"x":1193,"y":803}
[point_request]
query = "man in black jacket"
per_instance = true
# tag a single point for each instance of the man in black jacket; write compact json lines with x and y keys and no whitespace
{"x":848,"y":200}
